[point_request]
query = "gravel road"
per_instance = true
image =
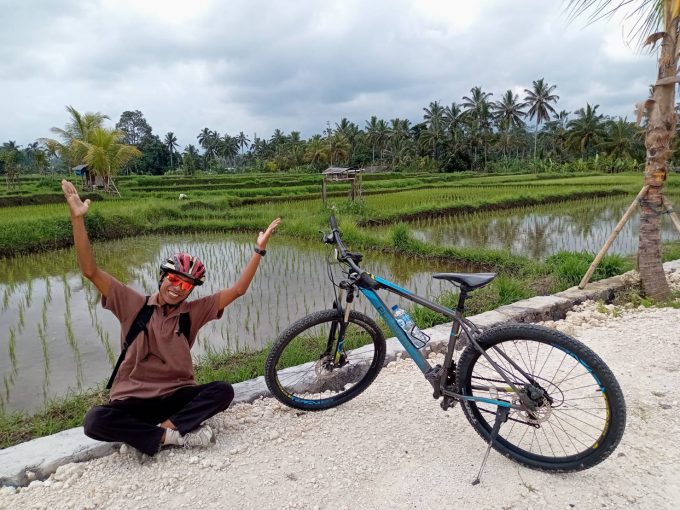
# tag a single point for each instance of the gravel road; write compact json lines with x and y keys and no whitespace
{"x":393,"y":447}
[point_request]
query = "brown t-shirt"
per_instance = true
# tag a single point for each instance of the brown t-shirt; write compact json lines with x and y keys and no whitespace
{"x":159,"y":362}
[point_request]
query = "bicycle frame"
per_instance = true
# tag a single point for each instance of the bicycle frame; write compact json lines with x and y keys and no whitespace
{"x":459,"y":322}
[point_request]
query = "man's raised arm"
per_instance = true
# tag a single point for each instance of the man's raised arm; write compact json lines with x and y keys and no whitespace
{"x":88,"y":266}
{"x":241,"y":286}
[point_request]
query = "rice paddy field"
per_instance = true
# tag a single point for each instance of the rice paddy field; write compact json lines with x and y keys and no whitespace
{"x":57,"y":341}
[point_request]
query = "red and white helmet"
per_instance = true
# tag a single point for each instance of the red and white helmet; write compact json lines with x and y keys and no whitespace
{"x":185,"y":265}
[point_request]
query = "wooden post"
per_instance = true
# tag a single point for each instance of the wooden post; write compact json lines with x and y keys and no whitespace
{"x":674,"y":217}
{"x":323,"y":190}
{"x":612,"y":237}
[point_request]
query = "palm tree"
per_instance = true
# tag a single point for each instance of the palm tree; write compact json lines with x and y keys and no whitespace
{"x":477,"y":110}
{"x":587,"y":129}
{"x":623,"y":139}
{"x":295,"y":150}
{"x":372,"y":135}
{"x":539,"y":101}
{"x":474,"y":103}
{"x":339,"y":148}
{"x":190,"y":158}
{"x":170,"y":142}
{"x":278,"y":138}
{"x":29,"y":155}
{"x":9,"y":157}
{"x":658,"y":22}
{"x":351,"y":132}
{"x":382,"y":136}
{"x":434,"y":118}
{"x":227,"y":147}
{"x":77,"y":128}
{"x":209,"y":141}
{"x":316,"y":152}
{"x":508,"y":113}
{"x":556,"y":129}
{"x":104,"y":154}
{"x":242,"y":140}
{"x":453,"y":122}
{"x":79,"y":125}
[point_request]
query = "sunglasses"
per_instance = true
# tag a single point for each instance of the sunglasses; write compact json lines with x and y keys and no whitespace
{"x":176,"y":281}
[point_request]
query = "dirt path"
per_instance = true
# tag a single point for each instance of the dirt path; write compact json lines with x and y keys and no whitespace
{"x":393,"y":447}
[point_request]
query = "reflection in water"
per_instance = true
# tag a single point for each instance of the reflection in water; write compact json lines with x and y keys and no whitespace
{"x":540,"y":232}
{"x":56,"y":337}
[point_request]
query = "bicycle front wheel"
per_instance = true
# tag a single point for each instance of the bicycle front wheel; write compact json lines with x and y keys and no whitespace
{"x":568,"y":409}
{"x":306,"y":370}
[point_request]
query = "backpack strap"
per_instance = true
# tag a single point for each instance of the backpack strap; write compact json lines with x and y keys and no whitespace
{"x":138,"y":325}
{"x":185,"y":325}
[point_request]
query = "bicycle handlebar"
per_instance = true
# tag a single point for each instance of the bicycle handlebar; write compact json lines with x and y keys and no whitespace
{"x":344,"y":255}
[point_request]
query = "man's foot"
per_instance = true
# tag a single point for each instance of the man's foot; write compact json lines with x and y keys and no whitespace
{"x":201,"y":437}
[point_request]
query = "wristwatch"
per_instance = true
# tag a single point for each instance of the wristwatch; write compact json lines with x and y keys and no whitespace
{"x":261,"y":253}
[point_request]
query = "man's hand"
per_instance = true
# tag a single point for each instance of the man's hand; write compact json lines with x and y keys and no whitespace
{"x":78,"y":207}
{"x":263,"y":238}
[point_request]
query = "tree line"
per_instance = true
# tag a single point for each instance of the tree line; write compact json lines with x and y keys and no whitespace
{"x":477,"y":133}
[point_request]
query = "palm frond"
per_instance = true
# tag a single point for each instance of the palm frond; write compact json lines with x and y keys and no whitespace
{"x":646,"y":16}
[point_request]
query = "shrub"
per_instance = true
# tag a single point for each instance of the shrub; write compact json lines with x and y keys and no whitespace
{"x":570,"y":267}
{"x":401,"y":237}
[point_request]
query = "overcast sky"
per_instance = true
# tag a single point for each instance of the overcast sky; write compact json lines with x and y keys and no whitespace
{"x":255,"y":65}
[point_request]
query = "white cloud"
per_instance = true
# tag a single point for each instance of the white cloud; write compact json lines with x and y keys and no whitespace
{"x":255,"y":66}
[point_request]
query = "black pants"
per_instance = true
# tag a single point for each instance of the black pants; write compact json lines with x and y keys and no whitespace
{"x":135,"y":420}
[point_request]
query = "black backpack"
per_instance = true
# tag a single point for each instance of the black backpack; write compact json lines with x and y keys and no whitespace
{"x":139,"y":325}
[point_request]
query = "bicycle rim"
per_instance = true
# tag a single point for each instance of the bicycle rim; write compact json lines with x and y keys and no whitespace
{"x":571,"y":428}
{"x":302,"y":373}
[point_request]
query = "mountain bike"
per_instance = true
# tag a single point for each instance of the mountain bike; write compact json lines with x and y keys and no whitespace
{"x":535,"y":394}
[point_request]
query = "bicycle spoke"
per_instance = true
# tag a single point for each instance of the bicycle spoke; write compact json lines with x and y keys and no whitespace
{"x":568,"y":424}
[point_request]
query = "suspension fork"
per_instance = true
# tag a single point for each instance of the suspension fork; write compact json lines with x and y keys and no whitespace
{"x":333,"y":348}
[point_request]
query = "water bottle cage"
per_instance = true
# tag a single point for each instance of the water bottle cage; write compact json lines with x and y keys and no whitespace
{"x":418,"y":343}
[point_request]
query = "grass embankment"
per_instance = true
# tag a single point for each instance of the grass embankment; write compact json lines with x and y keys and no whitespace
{"x":35,"y":228}
{"x":26,"y":229}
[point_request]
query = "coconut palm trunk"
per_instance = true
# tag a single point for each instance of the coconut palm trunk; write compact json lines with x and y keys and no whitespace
{"x":535,"y":137}
{"x":660,"y":132}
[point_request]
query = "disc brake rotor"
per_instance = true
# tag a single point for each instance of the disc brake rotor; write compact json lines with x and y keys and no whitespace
{"x":535,"y":416}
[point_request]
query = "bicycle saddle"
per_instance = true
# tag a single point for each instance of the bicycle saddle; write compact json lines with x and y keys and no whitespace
{"x":466,"y":281}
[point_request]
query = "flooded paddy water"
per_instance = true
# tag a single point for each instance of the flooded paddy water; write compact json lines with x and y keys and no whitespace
{"x":55,"y":337}
{"x":538,"y":232}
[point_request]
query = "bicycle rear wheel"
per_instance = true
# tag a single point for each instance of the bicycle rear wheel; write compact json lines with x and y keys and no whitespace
{"x":302,"y":372}
{"x":573,"y":412}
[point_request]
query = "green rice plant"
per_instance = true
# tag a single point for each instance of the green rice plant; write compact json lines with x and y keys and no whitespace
{"x":21,"y":318}
{"x":29,"y":293}
{"x":12,"y":349}
{"x":401,"y":238}
{"x":45,"y":348}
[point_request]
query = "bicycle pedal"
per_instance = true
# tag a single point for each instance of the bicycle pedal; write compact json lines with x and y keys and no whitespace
{"x":434,"y":374}
{"x":447,"y":403}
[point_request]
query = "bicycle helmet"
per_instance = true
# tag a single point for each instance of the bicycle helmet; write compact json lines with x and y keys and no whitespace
{"x":183,"y":264}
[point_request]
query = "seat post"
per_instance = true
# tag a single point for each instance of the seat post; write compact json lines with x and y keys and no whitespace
{"x":461,"y":301}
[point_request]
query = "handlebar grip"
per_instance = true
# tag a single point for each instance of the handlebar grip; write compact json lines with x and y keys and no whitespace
{"x":333,"y":223}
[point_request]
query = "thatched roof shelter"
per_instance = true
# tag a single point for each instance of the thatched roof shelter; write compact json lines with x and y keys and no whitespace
{"x":343,"y":174}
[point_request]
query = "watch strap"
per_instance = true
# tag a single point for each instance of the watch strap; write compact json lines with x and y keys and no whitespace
{"x":260,"y":252}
